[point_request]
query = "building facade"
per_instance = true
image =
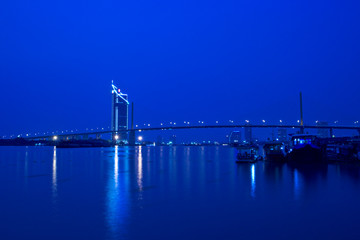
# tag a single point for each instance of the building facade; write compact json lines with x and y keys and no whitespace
{"x":119,"y":114}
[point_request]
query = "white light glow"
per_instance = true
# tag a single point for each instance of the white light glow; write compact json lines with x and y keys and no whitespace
{"x":119,"y":94}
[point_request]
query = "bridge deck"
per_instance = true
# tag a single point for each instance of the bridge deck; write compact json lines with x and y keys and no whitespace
{"x":201,"y":127}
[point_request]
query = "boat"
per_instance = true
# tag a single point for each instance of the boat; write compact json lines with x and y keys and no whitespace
{"x":305,"y":148}
{"x":247,"y":154}
{"x":341,"y":152}
{"x":275,"y":151}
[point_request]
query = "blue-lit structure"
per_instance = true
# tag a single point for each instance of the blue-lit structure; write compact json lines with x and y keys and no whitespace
{"x":119,"y":114}
{"x":235,"y":138}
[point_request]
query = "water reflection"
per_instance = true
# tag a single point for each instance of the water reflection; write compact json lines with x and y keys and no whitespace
{"x":105,"y":186}
{"x":140,"y":170}
{"x":253,"y":183}
{"x":116,"y":166}
{"x":187,"y":165}
{"x":303,"y":177}
{"x":274,"y":171}
{"x":54,"y":174}
{"x":296,"y":184}
{"x":117,"y":194}
{"x":348,"y":170}
{"x":307,"y":176}
{"x":26,"y":173}
{"x":247,"y":173}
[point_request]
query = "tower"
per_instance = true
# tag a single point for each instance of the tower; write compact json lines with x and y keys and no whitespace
{"x":119,"y":113}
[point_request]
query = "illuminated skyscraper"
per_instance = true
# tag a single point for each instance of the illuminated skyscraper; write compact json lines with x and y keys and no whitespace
{"x":119,"y":113}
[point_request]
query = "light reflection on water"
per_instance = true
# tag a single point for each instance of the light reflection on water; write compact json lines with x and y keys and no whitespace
{"x":296,"y":184}
{"x":140,"y":170}
{"x":253,"y":183}
{"x":171,"y":193}
{"x":117,"y":196}
{"x":54,"y":178}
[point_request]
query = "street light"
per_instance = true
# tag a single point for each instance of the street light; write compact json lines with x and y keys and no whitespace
{"x":116,"y":137}
{"x":140,"y":138}
{"x":55,"y":138}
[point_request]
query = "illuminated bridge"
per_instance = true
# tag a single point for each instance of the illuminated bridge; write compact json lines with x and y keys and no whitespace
{"x":120,"y":129}
{"x":141,"y":129}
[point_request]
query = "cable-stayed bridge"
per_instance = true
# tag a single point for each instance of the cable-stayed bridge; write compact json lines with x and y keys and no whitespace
{"x":120,"y":129}
{"x":98,"y":133}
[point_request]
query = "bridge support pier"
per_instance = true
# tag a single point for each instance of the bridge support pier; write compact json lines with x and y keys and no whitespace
{"x":85,"y":137}
{"x":331,"y":132}
{"x":302,"y":130}
{"x":98,"y":136}
{"x":132,"y":138}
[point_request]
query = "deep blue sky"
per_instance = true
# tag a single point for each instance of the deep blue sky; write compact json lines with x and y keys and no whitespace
{"x":177,"y":60}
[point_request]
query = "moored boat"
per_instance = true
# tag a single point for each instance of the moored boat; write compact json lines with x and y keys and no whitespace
{"x":247,"y":154}
{"x":275,"y":151}
{"x":305,"y":148}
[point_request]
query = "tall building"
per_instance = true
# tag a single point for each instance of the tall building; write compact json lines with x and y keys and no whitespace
{"x":323,"y":132}
{"x":119,"y":113}
{"x":248,"y":134}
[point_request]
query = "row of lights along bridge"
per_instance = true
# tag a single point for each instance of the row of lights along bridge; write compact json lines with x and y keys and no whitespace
{"x":120,"y":121}
{"x":184,"y":123}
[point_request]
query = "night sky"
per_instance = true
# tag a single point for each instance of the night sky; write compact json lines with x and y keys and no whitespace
{"x":177,"y":60}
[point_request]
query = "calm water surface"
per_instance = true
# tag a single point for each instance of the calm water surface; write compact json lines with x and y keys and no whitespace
{"x":171,"y":193}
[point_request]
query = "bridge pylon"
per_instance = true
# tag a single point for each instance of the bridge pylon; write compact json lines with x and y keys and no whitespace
{"x":132,"y":137}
